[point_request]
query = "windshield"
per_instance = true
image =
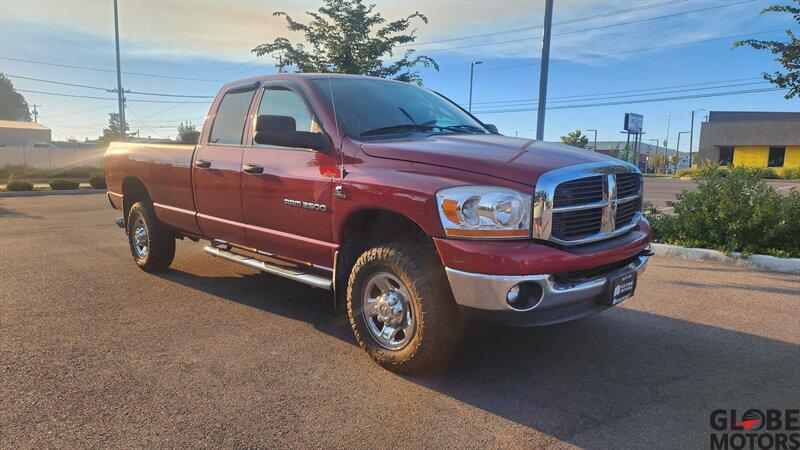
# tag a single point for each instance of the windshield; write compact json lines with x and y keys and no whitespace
{"x":369,"y":109}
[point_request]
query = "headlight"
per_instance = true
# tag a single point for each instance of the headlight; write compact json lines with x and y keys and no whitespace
{"x":484,"y":212}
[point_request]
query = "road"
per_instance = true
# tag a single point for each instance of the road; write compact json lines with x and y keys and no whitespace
{"x":95,"y":352}
{"x":660,"y":190}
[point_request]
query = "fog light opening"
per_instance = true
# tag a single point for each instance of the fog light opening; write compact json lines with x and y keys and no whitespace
{"x":524,"y":296}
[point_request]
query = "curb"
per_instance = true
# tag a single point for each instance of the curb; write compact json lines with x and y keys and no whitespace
{"x":38,"y":193}
{"x":763,"y":262}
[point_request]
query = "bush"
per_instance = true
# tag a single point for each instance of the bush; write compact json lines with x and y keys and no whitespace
{"x":791,"y":174}
{"x":97,"y":180}
{"x":766,"y":173}
{"x":14,"y":185}
{"x":734,"y":210}
{"x":691,"y":173}
{"x":29,"y":172}
{"x":63,"y":185}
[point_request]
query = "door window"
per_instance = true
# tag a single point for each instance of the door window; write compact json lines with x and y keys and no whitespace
{"x":228,"y":126}
{"x":776,"y":156}
{"x":280,"y":101}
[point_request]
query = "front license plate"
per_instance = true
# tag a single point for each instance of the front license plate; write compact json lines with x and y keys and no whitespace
{"x":622,"y":288}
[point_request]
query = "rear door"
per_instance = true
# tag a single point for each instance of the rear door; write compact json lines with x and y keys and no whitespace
{"x":288,"y":205}
{"x":217,"y":167}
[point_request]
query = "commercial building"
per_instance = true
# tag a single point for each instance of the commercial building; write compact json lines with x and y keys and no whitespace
{"x":23,"y":134}
{"x":753,"y":139}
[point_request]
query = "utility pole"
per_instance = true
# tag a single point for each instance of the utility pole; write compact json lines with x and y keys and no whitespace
{"x":471,"y":76}
{"x":595,"y":139}
{"x":691,"y":139}
{"x":35,"y":112}
{"x":656,"y":153}
{"x":548,"y":26}
{"x":120,"y":92}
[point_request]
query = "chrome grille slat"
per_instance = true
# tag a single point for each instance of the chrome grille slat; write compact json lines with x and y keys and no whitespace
{"x":587,"y":202}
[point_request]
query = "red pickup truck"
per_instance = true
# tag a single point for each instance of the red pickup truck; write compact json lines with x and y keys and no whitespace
{"x":413,"y":212}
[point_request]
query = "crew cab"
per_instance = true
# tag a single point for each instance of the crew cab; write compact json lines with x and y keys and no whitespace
{"x":415,"y":214}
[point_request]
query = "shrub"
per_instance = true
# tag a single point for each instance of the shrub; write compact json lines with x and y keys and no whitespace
{"x":14,"y":185}
{"x":734,"y":210}
{"x":29,"y":172}
{"x":63,"y":185}
{"x":791,"y":174}
{"x":97,"y":180}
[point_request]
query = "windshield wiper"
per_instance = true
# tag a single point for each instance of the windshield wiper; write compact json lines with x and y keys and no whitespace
{"x":398,"y":128}
{"x":462,"y":127}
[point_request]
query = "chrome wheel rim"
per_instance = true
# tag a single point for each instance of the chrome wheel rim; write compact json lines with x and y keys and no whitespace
{"x":388,"y":311}
{"x":140,"y":238}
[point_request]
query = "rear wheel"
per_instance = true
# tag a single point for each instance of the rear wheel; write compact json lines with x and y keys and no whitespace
{"x":401,"y":308}
{"x":152,"y":244}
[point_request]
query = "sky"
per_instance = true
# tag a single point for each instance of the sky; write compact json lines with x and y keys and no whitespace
{"x":622,"y":52}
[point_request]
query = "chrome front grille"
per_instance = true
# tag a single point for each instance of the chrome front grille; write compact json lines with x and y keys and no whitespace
{"x":587,"y":202}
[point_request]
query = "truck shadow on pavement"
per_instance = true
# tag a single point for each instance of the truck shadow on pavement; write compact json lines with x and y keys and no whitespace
{"x":623,"y":378}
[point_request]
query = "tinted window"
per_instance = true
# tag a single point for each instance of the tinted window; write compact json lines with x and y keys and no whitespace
{"x":726,"y":156}
{"x":228,"y":126}
{"x":776,"y":156}
{"x":364,"y":105}
{"x":279,"y":101}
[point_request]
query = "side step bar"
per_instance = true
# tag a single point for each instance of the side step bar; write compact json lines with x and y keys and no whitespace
{"x":305,"y":278}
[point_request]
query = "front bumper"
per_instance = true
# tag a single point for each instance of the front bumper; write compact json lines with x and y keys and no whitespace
{"x":563,"y":297}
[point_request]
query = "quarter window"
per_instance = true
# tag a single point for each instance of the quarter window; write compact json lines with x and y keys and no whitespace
{"x":726,"y":156}
{"x":228,"y":126}
{"x":776,"y":156}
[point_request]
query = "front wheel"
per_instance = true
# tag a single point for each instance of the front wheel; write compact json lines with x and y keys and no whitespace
{"x":401,"y":308}
{"x":152,"y":244}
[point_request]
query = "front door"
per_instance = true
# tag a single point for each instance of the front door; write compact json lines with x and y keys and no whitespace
{"x":287,"y":206}
{"x":217,"y":168}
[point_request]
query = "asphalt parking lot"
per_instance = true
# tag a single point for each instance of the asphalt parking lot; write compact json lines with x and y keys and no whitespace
{"x":660,"y":190}
{"x":95,"y":352}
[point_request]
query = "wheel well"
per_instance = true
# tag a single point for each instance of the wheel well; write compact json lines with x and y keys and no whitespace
{"x":368,"y":228}
{"x":133,"y":190}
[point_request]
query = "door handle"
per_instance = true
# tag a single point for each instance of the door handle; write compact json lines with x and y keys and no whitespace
{"x":254,"y":169}
{"x":202,"y":164}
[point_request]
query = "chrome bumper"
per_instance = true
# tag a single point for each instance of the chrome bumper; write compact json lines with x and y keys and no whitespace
{"x":559,"y":302}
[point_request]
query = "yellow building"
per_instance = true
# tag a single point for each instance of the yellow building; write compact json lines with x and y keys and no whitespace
{"x":753,"y":139}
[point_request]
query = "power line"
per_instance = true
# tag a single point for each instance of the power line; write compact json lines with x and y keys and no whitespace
{"x":142,"y":122}
{"x":97,"y":69}
{"x":102,"y":98}
{"x":583,"y":30}
{"x":100,"y":88}
{"x":635,"y":91}
{"x":630,"y":102}
{"x":537,"y":27}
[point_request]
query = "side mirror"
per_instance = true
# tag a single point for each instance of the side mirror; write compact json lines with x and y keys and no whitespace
{"x":491,"y":128}
{"x":282,"y":131}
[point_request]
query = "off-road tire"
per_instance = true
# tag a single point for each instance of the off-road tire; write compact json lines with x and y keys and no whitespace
{"x":437,"y":323}
{"x":160,"y":240}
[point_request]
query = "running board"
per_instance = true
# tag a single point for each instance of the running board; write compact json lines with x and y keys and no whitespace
{"x":305,"y":278}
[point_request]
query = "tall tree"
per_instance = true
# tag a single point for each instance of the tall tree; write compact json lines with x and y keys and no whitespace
{"x":786,"y":53}
{"x":188,"y":133}
{"x":114,"y":131}
{"x":347,"y":36}
{"x":13,"y":105}
{"x":575,"y":139}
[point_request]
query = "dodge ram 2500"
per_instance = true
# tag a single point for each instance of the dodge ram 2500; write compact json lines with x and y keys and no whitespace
{"x":418,"y":216}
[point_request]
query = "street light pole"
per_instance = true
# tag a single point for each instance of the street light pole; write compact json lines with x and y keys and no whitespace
{"x":120,"y":93}
{"x":548,"y":25}
{"x":471,"y":76}
{"x":656,"y":153}
{"x":691,"y":138}
{"x":595,"y":139}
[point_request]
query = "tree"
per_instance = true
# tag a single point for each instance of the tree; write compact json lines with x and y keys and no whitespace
{"x":13,"y":105}
{"x":575,"y":139}
{"x":346,"y":36}
{"x":188,"y":133}
{"x":114,"y":131}
{"x":786,"y":53}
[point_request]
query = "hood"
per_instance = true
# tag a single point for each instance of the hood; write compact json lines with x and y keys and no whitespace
{"x":514,"y":159}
